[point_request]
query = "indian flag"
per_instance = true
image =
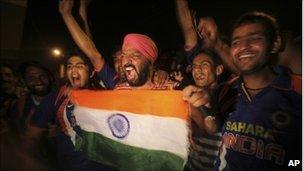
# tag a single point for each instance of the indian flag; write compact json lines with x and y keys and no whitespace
{"x":130,"y":130}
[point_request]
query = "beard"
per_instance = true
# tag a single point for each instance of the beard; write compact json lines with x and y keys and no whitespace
{"x":143,"y":75}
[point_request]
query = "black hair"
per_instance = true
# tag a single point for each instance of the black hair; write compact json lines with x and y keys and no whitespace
{"x":5,"y":65}
{"x":272,"y":29}
{"x":81,"y":55}
{"x":93,"y":82}
{"x":24,"y":66}
{"x":216,"y":59}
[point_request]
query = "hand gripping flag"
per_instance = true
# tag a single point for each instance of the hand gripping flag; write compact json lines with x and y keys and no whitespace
{"x":130,"y":130}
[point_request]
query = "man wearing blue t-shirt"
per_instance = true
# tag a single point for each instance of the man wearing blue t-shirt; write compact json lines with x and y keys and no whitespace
{"x":264,"y":132}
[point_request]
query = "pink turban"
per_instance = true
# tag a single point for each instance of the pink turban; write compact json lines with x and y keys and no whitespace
{"x":141,"y":43}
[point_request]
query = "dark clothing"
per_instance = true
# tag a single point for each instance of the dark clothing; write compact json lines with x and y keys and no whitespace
{"x":108,"y":76}
{"x":6,"y":103}
{"x":22,"y":111}
{"x":264,"y":132}
{"x":204,"y":147}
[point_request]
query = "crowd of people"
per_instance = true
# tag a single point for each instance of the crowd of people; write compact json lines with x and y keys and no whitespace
{"x":245,"y":95}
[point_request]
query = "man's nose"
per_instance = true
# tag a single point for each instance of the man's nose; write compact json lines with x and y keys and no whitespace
{"x":74,"y":68}
{"x":126,"y":60}
{"x":245,"y":44}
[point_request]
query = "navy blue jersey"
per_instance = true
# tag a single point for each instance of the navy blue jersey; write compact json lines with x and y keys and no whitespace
{"x":107,"y":76}
{"x":22,"y":111}
{"x":264,"y":132}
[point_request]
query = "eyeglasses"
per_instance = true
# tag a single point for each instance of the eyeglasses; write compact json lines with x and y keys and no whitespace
{"x":77,"y":66}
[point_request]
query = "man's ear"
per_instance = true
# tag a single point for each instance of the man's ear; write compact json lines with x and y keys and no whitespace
{"x":219,"y":70}
{"x":277,"y":45}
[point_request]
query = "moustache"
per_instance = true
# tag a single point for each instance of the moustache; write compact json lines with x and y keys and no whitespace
{"x":128,"y":65}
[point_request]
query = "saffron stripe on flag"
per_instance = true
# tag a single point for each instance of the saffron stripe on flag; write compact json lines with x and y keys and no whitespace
{"x":161,"y":103}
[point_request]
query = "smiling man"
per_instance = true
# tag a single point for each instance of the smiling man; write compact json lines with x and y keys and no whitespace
{"x":38,"y":81}
{"x":264,"y":132}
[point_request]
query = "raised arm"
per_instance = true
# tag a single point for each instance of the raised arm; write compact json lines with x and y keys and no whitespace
{"x":208,"y":31}
{"x":83,"y":14}
{"x":185,"y":21}
{"x":80,"y":37}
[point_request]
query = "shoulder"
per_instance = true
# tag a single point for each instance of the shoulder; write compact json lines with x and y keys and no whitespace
{"x":227,"y":88}
{"x":285,"y":81}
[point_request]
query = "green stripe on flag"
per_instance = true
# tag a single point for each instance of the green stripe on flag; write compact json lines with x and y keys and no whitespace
{"x":125,"y":157}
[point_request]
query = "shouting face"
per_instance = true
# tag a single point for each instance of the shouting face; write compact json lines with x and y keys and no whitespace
{"x":135,"y":67}
{"x":77,"y":72}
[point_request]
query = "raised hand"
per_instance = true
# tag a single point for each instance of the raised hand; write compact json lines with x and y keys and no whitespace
{"x":208,"y":31}
{"x":160,"y":77}
{"x":196,"y":96}
{"x":177,"y":76}
{"x":65,"y":6}
{"x":83,"y":8}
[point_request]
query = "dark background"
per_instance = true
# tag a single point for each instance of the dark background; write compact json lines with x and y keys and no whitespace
{"x":110,"y":20}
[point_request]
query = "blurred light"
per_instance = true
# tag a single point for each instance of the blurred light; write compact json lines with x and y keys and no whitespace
{"x":57,"y":52}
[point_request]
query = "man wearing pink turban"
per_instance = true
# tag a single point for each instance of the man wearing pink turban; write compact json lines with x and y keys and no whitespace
{"x":142,"y":44}
{"x":138,"y":55}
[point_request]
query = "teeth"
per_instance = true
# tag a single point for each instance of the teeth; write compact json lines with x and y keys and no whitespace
{"x":75,"y":78}
{"x":75,"y":75}
{"x":129,"y":68}
{"x":246,"y":56}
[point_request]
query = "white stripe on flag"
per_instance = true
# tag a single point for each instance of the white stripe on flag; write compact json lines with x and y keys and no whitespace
{"x":146,"y":131}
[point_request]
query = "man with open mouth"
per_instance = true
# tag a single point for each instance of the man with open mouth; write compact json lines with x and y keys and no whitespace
{"x":80,"y":75}
{"x":139,"y":53}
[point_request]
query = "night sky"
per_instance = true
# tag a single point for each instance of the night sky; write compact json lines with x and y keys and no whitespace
{"x":111,"y":20}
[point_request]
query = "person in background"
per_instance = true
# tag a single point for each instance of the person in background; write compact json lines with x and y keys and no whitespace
{"x":80,"y":75}
{"x":38,"y":81}
{"x":209,"y":99}
{"x":9,"y":94}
